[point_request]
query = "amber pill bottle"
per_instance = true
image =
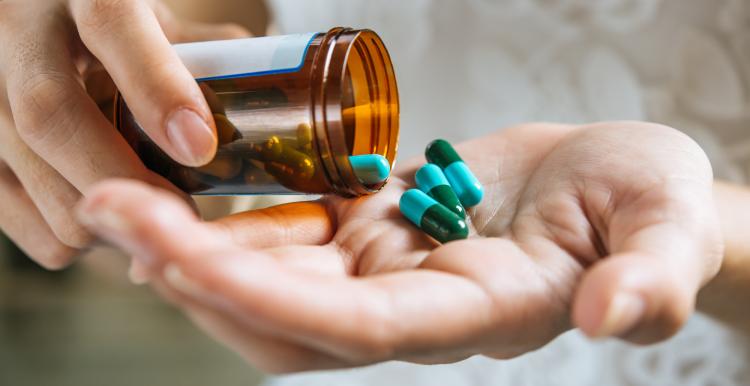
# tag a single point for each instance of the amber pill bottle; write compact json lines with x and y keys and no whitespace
{"x":289,"y":111}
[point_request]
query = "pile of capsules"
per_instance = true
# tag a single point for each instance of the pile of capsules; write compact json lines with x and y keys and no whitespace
{"x":445,"y":187}
{"x":280,"y":160}
{"x":287,"y":160}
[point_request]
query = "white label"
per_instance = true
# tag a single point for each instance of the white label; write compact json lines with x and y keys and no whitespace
{"x":245,"y":57}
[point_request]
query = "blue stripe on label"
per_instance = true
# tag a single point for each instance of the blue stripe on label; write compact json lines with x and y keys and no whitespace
{"x":276,"y":59}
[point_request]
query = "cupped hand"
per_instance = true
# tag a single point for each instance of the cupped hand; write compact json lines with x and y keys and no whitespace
{"x":60,"y":62}
{"x":608,"y":227}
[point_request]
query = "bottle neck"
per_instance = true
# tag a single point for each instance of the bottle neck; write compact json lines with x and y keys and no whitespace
{"x":355,"y":107}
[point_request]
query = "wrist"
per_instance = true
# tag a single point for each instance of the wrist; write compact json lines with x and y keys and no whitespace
{"x":720,"y":297}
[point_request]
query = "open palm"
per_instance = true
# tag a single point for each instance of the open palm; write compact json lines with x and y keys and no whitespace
{"x":607,"y":227}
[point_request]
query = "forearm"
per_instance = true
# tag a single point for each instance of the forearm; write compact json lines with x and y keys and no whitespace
{"x":725,"y":297}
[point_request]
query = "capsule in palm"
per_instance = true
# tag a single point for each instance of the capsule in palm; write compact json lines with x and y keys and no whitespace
{"x":432,"y":217}
{"x":431,"y":180}
{"x":462,"y":180}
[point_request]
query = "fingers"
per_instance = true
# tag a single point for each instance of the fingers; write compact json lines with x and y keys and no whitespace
{"x":267,"y":352}
{"x":53,"y":196}
{"x":284,"y":300}
{"x":431,"y":314}
{"x":646,"y":290}
{"x":56,"y":118}
{"x":21,"y":221}
{"x":148,"y":222}
{"x":364,"y":321}
{"x":158,"y":223}
{"x":632,"y":296}
{"x":165,"y":99}
{"x":297,"y":223}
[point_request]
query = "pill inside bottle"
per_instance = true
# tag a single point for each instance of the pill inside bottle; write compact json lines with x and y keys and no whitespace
{"x":293,"y":114}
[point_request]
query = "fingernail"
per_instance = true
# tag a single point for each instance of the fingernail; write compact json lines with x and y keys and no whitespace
{"x":191,"y":137}
{"x":624,"y":312}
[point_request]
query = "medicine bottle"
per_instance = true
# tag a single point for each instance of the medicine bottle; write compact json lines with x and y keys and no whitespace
{"x":289,"y":111}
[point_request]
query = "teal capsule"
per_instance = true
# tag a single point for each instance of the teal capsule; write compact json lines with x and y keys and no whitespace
{"x":462,"y":180}
{"x":431,"y":180}
{"x":432,"y":217}
{"x":371,"y":169}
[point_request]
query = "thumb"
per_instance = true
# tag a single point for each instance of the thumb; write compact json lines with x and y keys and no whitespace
{"x":645,"y":291}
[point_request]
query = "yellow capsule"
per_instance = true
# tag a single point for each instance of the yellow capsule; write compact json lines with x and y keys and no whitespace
{"x":304,"y":137}
{"x":292,"y":163}
{"x":225,"y":130}
{"x":223,"y":167}
{"x":266,"y":151}
{"x":281,"y":158}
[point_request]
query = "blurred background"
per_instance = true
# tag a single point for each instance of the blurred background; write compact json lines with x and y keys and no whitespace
{"x":88,"y":325}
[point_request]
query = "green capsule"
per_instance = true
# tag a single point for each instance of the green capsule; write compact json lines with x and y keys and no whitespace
{"x":432,"y":217}
{"x":431,"y":180}
{"x":462,"y":180}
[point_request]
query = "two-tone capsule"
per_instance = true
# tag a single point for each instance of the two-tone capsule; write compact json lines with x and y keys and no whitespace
{"x":431,"y":180}
{"x":371,"y":169}
{"x":461,"y":179}
{"x":432,"y":217}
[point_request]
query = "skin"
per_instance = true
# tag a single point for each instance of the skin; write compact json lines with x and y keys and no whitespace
{"x":720,"y":297}
{"x":60,"y":64}
{"x":609,"y":227}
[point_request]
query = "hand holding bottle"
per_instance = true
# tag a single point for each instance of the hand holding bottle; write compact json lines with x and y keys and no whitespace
{"x":60,"y":62}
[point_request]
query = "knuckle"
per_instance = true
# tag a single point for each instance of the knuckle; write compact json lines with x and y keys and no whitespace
{"x":44,"y":100}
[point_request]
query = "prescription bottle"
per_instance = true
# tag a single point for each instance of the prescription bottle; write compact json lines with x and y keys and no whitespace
{"x":289,"y":111}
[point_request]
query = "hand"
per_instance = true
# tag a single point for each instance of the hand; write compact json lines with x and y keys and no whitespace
{"x":60,"y":61}
{"x":608,"y":227}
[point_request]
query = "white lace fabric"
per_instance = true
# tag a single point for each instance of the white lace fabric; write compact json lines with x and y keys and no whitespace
{"x":469,"y":67}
